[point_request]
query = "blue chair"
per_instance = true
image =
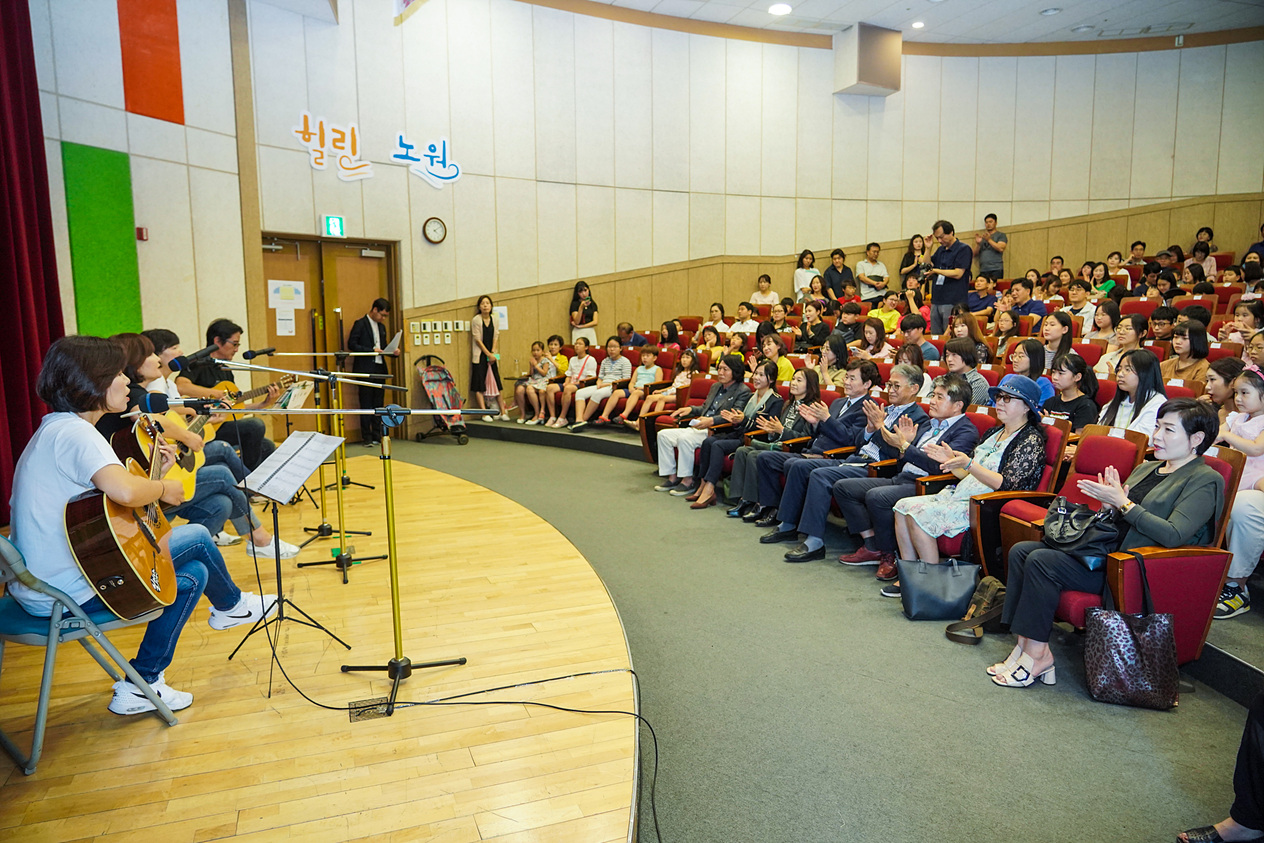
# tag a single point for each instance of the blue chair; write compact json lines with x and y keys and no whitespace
{"x":68,"y":622}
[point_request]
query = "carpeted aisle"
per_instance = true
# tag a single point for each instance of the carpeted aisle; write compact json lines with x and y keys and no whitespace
{"x":794,"y":704}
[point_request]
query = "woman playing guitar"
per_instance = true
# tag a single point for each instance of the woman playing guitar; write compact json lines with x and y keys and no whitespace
{"x":82,"y":379}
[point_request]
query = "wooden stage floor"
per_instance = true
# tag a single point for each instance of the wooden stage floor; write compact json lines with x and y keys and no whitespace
{"x":481,"y":577}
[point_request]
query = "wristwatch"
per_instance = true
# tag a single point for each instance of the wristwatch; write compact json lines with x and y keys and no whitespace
{"x":1126,"y":508}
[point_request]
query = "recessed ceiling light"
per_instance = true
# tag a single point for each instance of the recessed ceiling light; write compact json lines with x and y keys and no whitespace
{"x":1083,"y":28}
{"x":779,"y":9}
{"x":917,"y":24}
{"x":1051,"y":11}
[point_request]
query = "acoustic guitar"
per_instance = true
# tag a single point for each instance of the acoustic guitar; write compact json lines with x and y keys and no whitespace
{"x":135,"y":443}
{"x":121,"y":550}
{"x":238,"y":399}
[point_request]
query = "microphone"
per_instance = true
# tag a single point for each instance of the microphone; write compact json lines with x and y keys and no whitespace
{"x":262,"y":352}
{"x":180,"y":363}
{"x":156,"y":402}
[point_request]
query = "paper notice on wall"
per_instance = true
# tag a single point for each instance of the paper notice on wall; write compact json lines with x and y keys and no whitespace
{"x":502,"y":317}
{"x":284,"y":322}
{"x":287,"y":295}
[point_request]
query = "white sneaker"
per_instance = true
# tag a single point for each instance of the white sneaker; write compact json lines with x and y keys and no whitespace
{"x":267,"y":551}
{"x":128,"y":699}
{"x":249,"y":609}
{"x":504,"y":417}
{"x":225,"y":539}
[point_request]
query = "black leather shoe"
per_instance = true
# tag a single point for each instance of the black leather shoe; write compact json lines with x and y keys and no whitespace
{"x":757,"y":513}
{"x":779,"y":536}
{"x":768,"y":519}
{"x":801,"y":554}
{"x":735,"y":512}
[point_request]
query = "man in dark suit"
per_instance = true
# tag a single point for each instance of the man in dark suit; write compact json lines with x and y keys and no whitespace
{"x":369,"y":334}
{"x":805,"y":503}
{"x":866,"y":502}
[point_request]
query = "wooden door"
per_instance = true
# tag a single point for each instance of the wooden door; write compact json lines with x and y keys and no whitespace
{"x":294,"y":262}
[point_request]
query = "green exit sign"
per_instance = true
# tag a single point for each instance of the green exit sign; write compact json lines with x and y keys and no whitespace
{"x":334,"y":226}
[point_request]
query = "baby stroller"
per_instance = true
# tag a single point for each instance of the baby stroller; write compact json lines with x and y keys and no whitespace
{"x":440,"y":393}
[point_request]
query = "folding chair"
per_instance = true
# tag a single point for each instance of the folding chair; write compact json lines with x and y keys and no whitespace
{"x":68,"y":622}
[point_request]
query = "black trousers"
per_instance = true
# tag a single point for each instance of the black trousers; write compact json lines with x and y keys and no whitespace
{"x":247,"y":435}
{"x":1248,"y":774}
{"x":711,"y":463}
{"x":1037,"y":577}
{"x":371,"y":397}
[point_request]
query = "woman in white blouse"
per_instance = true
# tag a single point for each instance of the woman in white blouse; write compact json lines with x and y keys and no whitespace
{"x":1129,"y":333}
{"x":1138,"y":395}
{"x":804,"y":271}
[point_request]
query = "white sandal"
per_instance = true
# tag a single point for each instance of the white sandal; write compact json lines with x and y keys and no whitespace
{"x":1021,"y":676}
{"x":1006,"y":666}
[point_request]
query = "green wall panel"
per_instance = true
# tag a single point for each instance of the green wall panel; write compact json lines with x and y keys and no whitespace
{"x":102,"y":239}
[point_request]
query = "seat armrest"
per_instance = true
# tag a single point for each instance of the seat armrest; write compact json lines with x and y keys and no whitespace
{"x":883,"y":468}
{"x":656,"y":386}
{"x":845,"y":451}
{"x":932,"y":483}
{"x":721,"y":426}
{"x":797,"y":444}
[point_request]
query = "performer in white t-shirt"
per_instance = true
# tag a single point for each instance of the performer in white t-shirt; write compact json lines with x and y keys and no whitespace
{"x":81,"y":380}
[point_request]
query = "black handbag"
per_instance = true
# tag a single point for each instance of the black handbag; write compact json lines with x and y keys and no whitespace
{"x":1081,"y":532}
{"x":936,"y":592}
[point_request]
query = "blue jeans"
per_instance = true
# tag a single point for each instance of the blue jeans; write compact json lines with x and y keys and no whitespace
{"x":199,"y":568}
{"x":221,"y":453}
{"x":217,"y":499}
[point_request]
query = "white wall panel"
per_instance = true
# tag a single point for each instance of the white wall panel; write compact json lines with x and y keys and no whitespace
{"x":386,"y":214}
{"x":556,"y":232}
{"x":218,"y":259}
{"x":850,"y":170}
{"x":279,"y":73}
{"x":923,"y":80}
{"x":513,"y":89}
{"x":633,"y":228}
{"x":812,"y":220}
{"x":1029,"y":212}
{"x":211,"y":150}
{"x":517,"y":243}
{"x":285,"y":190}
{"x":594,"y":102}
{"x":155,"y":138}
{"x":470,"y":85}
{"x":1072,"y":127}
{"x":779,"y":111}
{"x":474,"y":227}
{"x":633,"y":108}
{"x":917,"y":218}
{"x":886,"y":145}
{"x":50,"y":122}
{"x":670,"y":97}
{"x":594,"y":207}
{"x":1033,"y":121}
{"x":42,"y":45}
{"x":160,"y":195}
{"x":434,"y":264}
{"x":554,"y":40}
{"x":706,"y":225}
{"x":1067,"y":208}
{"x":331,"y":70}
{"x":1114,"y":97}
{"x":1241,"y":153}
{"x":1003,"y":211}
{"x":958,"y":135}
{"x":92,"y":124}
{"x":743,"y":118}
{"x":741,"y":225}
{"x":960,"y":215}
{"x":1101,"y":206}
{"x":86,"y":49}
{"x":671,"y":227}
{"x":848,"y":223}
{"x":776,"y":227}
{"x":379,"y":69}
{"x":332,"y":195}
{"x":883,"y":222}
{"x":814,"y":124}
{"x":206,"y":65}
{"x":1154,"y":124}
{"x":1198,"y":119}
{"x":61,"y":233}
{"x":999,"y":133}
{"x":707,"y":97}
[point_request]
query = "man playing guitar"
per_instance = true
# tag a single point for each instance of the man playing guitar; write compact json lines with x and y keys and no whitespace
{"x":202,"y":380}
{"x":81,"y":380}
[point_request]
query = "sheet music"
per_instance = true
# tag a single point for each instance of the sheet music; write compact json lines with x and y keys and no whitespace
{"x":284,"y":472}
{"x":393,"y":344}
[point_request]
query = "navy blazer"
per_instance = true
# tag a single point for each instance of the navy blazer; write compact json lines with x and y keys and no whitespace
{"x":840,"y":429}
{"x":962,"y":436}
{"x":888,"y":452}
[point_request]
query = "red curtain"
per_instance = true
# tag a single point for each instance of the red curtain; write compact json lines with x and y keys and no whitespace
{"x":29,"y":296}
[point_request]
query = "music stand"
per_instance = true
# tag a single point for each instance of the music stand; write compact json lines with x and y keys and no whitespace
{"x":278,"y":479}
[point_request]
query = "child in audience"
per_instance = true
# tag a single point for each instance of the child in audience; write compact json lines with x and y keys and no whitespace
{"x":775,"y":351}
{"x":848,"y":325}
{"x":584,"y":314}
{"x":1219,"y":390}
{"x":647,"y":373}
{"x":1193,"y":274}
{"x":1232,"y":274}
{"x":1131,"y":331}
{"x":1248,"y":317}
{"x":717,"y":319}
{"x":1201,"y":256}
{"x":614,"y":368}
{"x":805,"y":270}
{"x":1075,"y":388}
{"x":1056,"y":330}
{"x":887,"y":313}
{"x":873,"y":343}
{"x":850,"y":292}
{"x":1253,"y":355}
{"x":982,"y":301}
{"x":668,"y":338}
{"x":960,"y":358}
{"x":560,"y":360}
{"x":531,"y":392}
{"x":1162,"y":322}
{"x":819,"y":293}
{"x":913,"y":301}
{"x":582,"y":367}
{"x":1105,"y":322}
{"x":963,"y":326}
{"x":1005,"y":329}
{"x":1244,"y":431}
{"x":1138,"y":395}
{"x":1189,"y":353}
{"x":709,"y":343}
{"x":1077,"y":294}
{"x":1028,"y":359}
{"x":764,"y":293}
{"x":682,"y":374}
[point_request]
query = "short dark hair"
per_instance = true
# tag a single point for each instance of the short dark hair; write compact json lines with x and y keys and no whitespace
{"x":1136,"y":243}
{"x":869,"y":246}
{"x":838,"y":253}
{"x":381,"y":305}
{"x":136,"y":348}
{"x":769,"y":369}
{"x":963,"y":348}
{"x":557,"y":337}
{"x":1203,"y":287}
{"x":624,"y":327}
{"x":869,"y":371}
{"x":1023,"y":282}
{"x":987,"y":217}
{"x":1074,"y":364}
{"x":958,"y":388}
{"x":1151,"y":268}
{"x":850,"y":307}
{"x":1197,"y":312}
{"x":912,"y":322}
{"x":1057,"y":258}
{"x":162,"y":339}
{"x":1200,"y":246}
{"x":1211,"y":235}
{"x":78,"y":372}
{"x":221,"y":329}
{"x":1163,"y":313}
{"x":1196,"y":332}
{"x":1080,"y":283}
{"x":944,"y":226}
{"x":1233,"y":267}
{"x":1196,"y":417}
{"x":747,"y":305}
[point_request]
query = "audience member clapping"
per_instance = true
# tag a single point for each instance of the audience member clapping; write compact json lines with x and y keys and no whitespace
{"x":676,"y":446}
{"x":805,"y":390}
{"x":764,"y":401}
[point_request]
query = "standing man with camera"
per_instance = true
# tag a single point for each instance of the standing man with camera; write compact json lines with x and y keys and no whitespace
{"x":368,"y":333}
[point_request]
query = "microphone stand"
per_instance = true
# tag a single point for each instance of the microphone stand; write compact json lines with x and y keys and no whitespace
{"x":400,"y":666}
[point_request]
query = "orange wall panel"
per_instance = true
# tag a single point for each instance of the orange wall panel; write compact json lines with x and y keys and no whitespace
{"x":150,"y":38}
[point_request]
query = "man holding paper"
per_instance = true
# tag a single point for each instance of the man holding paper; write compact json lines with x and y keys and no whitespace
{"x":369,"y":334}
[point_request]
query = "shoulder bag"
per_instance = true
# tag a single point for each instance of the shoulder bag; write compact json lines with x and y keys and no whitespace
{"x":1081,"y":532}
{"x":936,"y":592}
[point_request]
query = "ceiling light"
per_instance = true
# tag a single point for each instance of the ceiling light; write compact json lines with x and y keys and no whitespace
{"x":1051,"y":11}
{"x":1083,"y":28}
{"x":917,"y":24}
{"x":779,"y":9}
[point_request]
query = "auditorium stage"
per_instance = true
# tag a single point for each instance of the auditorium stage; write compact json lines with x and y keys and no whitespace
{"x":481,"y":577}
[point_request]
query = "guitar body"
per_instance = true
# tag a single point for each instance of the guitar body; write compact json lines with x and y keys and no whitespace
{"x":188,"y":461}
{"x":122,"y":551}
